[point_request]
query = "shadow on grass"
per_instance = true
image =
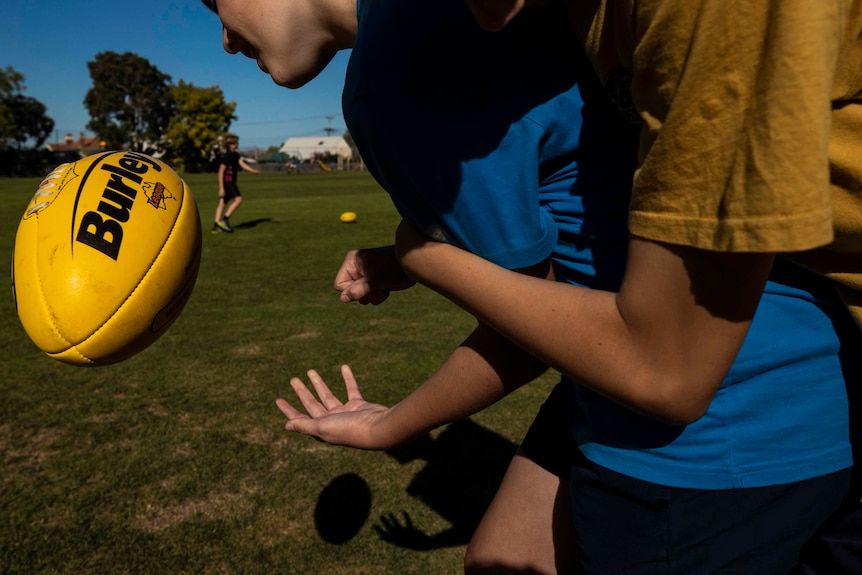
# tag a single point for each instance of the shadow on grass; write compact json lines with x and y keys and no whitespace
{"x":342,"y":508}
{"x":465,"y":465}
{"x":251,"y":223}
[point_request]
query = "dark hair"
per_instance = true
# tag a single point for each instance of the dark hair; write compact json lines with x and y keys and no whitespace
{"x":211,"y":4}
{"x":231,"y":139}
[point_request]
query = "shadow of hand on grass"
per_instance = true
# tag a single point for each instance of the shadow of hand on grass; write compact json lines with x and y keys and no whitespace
{"x":465,"y":465}
{"x":402,"y":533}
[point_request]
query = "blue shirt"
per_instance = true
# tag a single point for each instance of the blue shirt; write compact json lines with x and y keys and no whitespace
{"x":475,"y":135}
{"x":779,"y":416}
{"x":504,"y":144}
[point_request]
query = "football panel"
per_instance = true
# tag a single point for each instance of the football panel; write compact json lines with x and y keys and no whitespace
{"x":164,"y":289}
{"x":33,"y":311}
{"x":105,"y":229}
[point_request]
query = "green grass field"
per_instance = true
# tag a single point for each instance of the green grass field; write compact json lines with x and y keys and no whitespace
{"x":176,"y":461}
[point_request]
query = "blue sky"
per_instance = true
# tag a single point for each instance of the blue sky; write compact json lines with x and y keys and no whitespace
{"x":51,"y":41}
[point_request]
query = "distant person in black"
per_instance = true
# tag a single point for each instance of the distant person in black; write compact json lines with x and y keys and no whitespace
{"x":229,"y":196}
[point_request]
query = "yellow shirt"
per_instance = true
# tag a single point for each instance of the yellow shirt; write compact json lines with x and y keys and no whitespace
{"x":751,"y":115}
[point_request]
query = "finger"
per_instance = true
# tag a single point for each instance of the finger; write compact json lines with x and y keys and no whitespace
{"x":358,"y":290}
{"x":351,"y":292}
{"x":288,"y":410}
{"x":408,"y":522}
{"x":375,"y":297}
{"x":344,"y":279}
{"x":350,"y":383}
{"x":355,"y":289}
{"x":326,"y":396}
{"x":305,"y":426}
{"x":389,"y":521}
{"x":347,"y":272}
{"x":294,"y":415}
{"x":309,"y":402}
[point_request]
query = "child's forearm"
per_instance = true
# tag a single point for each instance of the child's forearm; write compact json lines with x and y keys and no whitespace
{"x":480,"y":371}
{"x":483,"y":370}
{"x":245,"y":166}
{"x":660,"y":346}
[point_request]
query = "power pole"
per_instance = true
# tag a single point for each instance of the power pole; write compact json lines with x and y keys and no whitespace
{"x":329,"y":129}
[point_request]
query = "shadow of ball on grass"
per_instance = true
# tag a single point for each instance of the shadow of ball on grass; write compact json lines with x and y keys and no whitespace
{"x":342,"y":508}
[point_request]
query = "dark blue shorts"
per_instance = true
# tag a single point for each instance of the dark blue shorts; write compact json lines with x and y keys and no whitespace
{"x":628,"y":526}
{"x":837,"y":548}
{"x":548,"y":442}
{"x":231,"y":191}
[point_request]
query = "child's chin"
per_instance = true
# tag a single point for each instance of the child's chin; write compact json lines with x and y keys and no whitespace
{"x":291,"y":82}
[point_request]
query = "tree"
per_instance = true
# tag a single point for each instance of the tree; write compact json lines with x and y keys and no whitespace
{"x":22,"y":118}
{"x":11,"y":82}
{"x":31,"y":121}
{"x":354,"y":151}
{"x":201,"y":117}
{"x":130,"y":102}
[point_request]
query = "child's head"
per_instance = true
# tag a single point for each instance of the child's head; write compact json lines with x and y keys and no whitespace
{"x":231,"y":140}
{"x":291,"y":40}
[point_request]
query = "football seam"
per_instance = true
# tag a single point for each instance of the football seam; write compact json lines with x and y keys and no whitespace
{"x":148,"y":270}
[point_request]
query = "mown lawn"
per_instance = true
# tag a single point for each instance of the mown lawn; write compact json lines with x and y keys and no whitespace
{"x":176,"y":461}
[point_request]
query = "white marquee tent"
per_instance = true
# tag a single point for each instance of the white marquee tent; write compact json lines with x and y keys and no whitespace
{"x":308,"y":148}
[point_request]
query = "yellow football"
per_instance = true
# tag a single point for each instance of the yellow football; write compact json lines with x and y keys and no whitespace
{"x":106,"y":256}
{"x":348,"y":217}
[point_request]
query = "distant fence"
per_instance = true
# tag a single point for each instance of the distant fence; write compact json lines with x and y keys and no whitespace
{"x":24,"y":163}
{"x":309,"y":167}
{"x":38,"y":163}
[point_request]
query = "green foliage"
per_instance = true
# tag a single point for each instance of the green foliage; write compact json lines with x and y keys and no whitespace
{"x":30,"y":120}
{"x":11,"y":82}
{"x":130,"y":101}
{"x":22,"y":118}
{"x":354,"y":151}
{"x":176,"y":461}
{"x":200,"y":117}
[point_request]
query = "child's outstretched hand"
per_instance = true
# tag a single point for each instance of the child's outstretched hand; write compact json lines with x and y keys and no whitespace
{"x":329,"y":420}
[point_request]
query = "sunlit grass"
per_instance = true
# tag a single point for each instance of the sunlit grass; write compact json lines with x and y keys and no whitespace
{"x":176,"y":461}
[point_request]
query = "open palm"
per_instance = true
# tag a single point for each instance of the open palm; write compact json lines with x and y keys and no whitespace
{"x":328,"y":419}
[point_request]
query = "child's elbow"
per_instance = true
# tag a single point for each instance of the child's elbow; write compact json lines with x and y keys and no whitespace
{"x":682,"y":414}
{"x":680,"y":402}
